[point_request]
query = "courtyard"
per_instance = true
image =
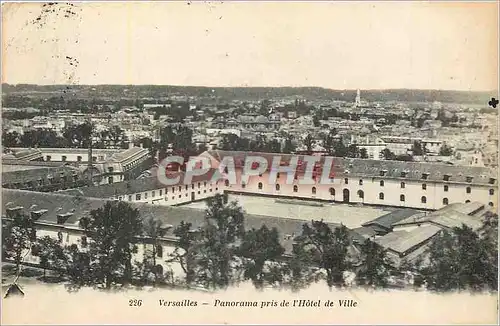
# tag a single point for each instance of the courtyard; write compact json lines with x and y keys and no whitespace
{"x":351,"y":216}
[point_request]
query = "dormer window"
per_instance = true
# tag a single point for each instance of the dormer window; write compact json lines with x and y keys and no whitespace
{"x":492,"y":181}
{"x":446,"y":177}
{"x":469,"y":179}
{"x":62,"y":218}
{"x":425,"y":176}
{"x":14,"y":211}
{"x":37,"y":214}
{"x":383,"y":172}
{"x":403,"y":174}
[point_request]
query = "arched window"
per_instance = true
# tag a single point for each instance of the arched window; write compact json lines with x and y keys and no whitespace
{"x":403,"y":185}
{"x":401,"y":197}
{"x":361,"y":194}
{"x":346,"y":181}
{"x":381,"y":183}
{"x":381,"y":196}
{"x":260,"y":185}
{"x":492,"y":192}
{"x":226,"y":183}
{"x":295,"y":188}
{"x":468,"y":190}
{"x":277,"y":187}
{"x":445,"y":201}
{"x":332,"y":191}
{"x":424,"y":186}
{"x":445,"y":188}
{"x":360,"y":182}
{"x":423,"y":200}
{"x":490,"y":203}
{"x":243,"y":184}
{"x":159,"y":269}
{"x":314,"y":190}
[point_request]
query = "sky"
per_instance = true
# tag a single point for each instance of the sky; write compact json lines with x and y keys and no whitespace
{"x":341,"y":45}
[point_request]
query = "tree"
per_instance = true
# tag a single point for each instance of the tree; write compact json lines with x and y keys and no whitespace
{"x":446,"y":150}
{"x":113,"y":229}
{"x":353,"y":151}
{"x":10,"y":139}
{"x":210,"y":252}
{"x":185,"y":250}
{"x":80,"y":135}
{"x":309,"y":143}
{"x":363,"y":153}
{"x":459,"y":260}
{"x":51,"y":254}
{"x":288,"y":147}
{"x":388,"y":155}
{"x":418,"y":149}
{"x":375,"y":266}
{"x":340,"y":149}
{"x":18,"y":237}
{"x":327,"y":248}
{"x":329,"y":141}
{"x":78,"y":268}
{"x":260,"y":249}
{"x":154,"y":231}
{"x":316,"y":121}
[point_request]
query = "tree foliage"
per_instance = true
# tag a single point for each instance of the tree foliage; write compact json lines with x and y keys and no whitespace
{"x":375,"y":266}
{"x":18,"y":237}
{"x":113,"y":229}
{"x":326,"y":249}
{"x":260,"y":250}
{"x":461,"y":260}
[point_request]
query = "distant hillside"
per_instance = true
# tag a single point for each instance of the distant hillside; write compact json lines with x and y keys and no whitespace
{"x":247,"y":93}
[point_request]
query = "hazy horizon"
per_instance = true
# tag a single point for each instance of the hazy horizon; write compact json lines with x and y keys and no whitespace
{"x":257,"y":86}
{"x":335,"y":46}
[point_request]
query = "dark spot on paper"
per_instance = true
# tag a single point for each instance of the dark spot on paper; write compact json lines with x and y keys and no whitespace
{"x":493,"y":102}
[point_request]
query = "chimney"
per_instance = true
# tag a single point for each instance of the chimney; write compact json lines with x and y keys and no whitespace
{"x":130,"y":145}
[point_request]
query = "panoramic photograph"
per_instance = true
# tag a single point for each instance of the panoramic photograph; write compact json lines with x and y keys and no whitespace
{"x":249,"y":162}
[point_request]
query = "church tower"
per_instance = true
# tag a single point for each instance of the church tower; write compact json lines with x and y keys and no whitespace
{"x":358,"y":99}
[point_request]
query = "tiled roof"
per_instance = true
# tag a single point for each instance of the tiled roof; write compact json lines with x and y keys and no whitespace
{"x":407,"y":240}
{"x":453,"y":215}
{"x":67,"y":150}
{"x":124,"y":155}
{"x":55,"y":203}
{"x":452,"y":219}
{"x":133,"y":186}
{"x":373,"y":168}
{"x":386,"y":221}
{"x":24,"y":176}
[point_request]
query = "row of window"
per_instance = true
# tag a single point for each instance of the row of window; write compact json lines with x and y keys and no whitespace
{"x":361,"y":194}
{"x":160,"y":193}
{"x":332,"y":191}
{"x":79,"y":158}
{"x":403,"y":174}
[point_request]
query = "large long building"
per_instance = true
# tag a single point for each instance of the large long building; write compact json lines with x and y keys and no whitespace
{"x":427,"y":186}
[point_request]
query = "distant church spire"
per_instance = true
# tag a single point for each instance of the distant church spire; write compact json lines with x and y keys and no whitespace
{"x":358,"y":98}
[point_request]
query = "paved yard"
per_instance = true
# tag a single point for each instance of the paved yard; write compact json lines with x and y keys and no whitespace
{"x":351,"y":216}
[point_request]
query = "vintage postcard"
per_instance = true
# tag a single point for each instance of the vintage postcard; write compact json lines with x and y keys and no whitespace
{"x":232,"y":162}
